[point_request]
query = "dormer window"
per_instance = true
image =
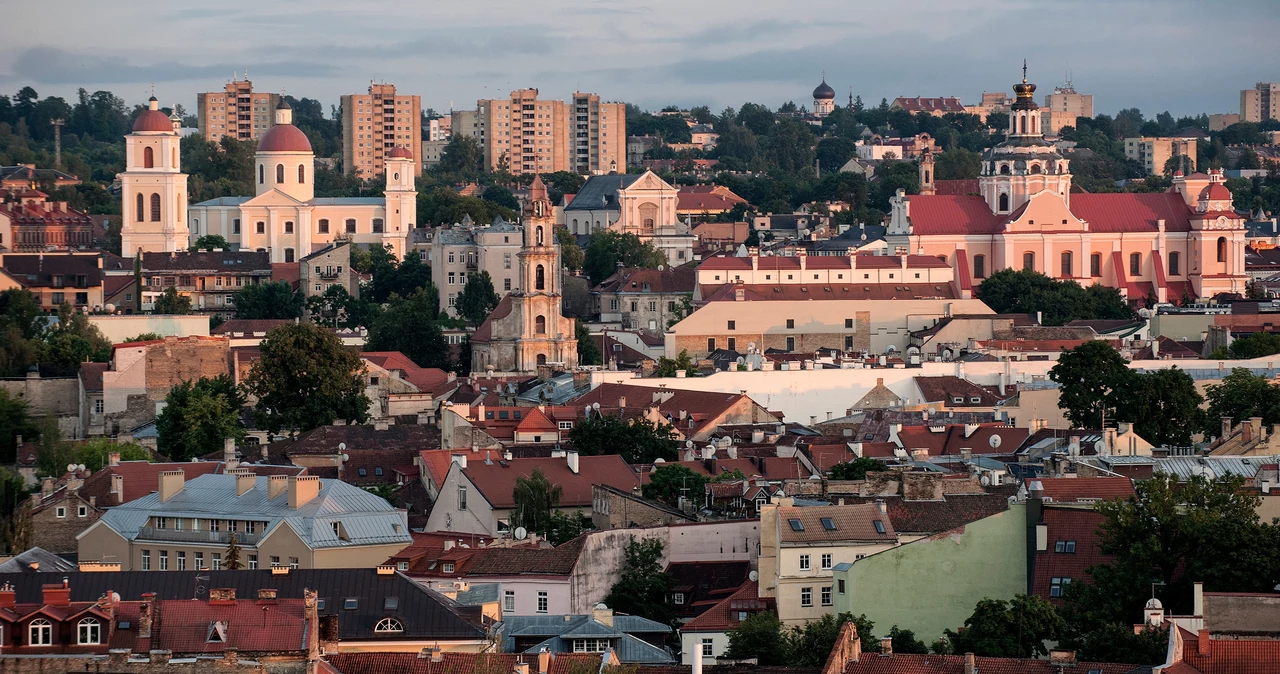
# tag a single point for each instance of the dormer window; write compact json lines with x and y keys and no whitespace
{"x":40,"y":633}
{"x":217,"y":632}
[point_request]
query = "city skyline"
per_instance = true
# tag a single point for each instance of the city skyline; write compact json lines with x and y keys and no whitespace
{"x":654,"y":54}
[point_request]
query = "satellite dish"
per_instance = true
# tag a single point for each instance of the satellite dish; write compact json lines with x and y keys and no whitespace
{"x":71,"y":467}
{"x":754,"y":576}
{"x":346,"y":458}
{"x":342,"y":446}
{"x":111,"y":308}
{"x":994,"y":441}
{"x":985,"y":480}
{"x":595,"y":406}
{"x":80,"y":466}
{"x":688,"y":443}
{"x":1099,"y":446}
{"x":520,"y":533}
{"x":659,"y":461}
{"x":1073,"y":449}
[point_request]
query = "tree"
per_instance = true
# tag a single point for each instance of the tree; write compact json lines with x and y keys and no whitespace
{"x":642,"y":587}
{"x":905,"y":641}
{"x":564,"y":527}
{"x":1058,"y":301}
{"x":21,"y":327}
{"x":145,"y":337}
{"x":571,"y":254}
{"x":462,"y":155}
{"x":809,"y":646}
{"x":231,"y":558}
{"x":666,"y":367}
{"x":336,"y":308}
{"x":588,"y":352}
{"x":74,"y":340}
{"x":956,"y":164}
{"x":95,"y":453}
{"x":410,"y":325}
{"x":1008,"y":629}
{"x":306,"y":378}
{"x":15,"y":421}
{"x":667,"y":483}
{"x":535,"y":501}
{"x":171,"y":302}
{"x":210,"y":242}
{"x":1094,"y":379}
{"x":1257,"y":345}
{"x":760,"y":637}
{"x":501,"y":196}
{"x":638,"y":440}
{"x":404,"y":278}
{"x":198,"y":417}
{"x":607,"y":249}
{"x":1241,"y":395}
{"x":476,"y":299}
{"x":857,"y":469}
{"x":1165,"y":406}
{"x":272,"y":300}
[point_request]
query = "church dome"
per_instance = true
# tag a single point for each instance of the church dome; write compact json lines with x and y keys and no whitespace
{"x":1025,"y":93}
{"x":153,"y":119}
{"x":824,"y":92}
{"x":400,"y":152}
{"x":284,"y":138}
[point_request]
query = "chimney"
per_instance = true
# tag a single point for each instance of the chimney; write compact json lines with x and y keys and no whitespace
{"x":8,"y":597}
{"x":1062,"y":658}
{"x":276,"y":485}
{"x":146,"y":611}
{"x":230,"y":656}
{"x":460,"y":459}
{"x":886,"y":646}
{"x":1202,"y":647}
{"x":622,"y":401}
{"x":311,"y":613}
{"x":970,"y":666}
{"x":113,"y":459}
{"x":117,"y":487}
{"x":229,"y":450}
{"x":571,"y":457}
{"x":602,"y":614}
{"x":521,"y":668}
{"x":697,"y":661}
{"x":544,"y":661}
{"x":160,"y":657}
{"x":302,"y":489}
{"x":245,"y":482}
{"x":171,"y":482}
{"x":884,"y":509}
{"x":1197,"y":600}
{"x":1226,"y":428}
{"x":266,"y":595}
{"x":222,"y":596}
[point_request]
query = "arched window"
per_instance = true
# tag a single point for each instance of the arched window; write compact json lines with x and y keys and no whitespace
{"x":542,"y":359}
{"x":538,"y":236}
{"x":1022,"y":124}
{"x":1095,"y":265}
{"x":387,"y":625}
{"x":141,"y":207}
{"x":40,"y":632}
{"x":539,"y":278}
{"x":926,"y":175}
{"x":89,"y":632}
{"x":279,"y":174}
{"x":1035,"y":168}
{"x":1066,"y":263}
{"x":148,"y":158}
{"x":1004,"y":201}
{"x":351,"y":225}
{"x":261,"y":174}
{"x":288,"y":226}
{"x":1135,"y":264}
{"x":1222,"y":249}
{"x":1029,"y":261}
{"x":979,"y":266}
{"x":575,"y":224}
{"x":540,"y":325}
{"x":648,"y":224}
{"x":302,"y":174}
{"x":155,"y":207}
{"x":1174,"y":263}
{"x":1004,"y":169}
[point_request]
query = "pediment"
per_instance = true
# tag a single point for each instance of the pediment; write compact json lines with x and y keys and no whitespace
{"x":1045,"y":211}
{"x":649,"y":181}
{"x":272,"y":198}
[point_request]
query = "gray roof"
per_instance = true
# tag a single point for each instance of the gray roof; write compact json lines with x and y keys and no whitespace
{"x":560,"y":630}
{"x":366,"y":518}
{"x":348,"y":201}
{"x":630,"y":650}
{"x":601,"y":192}
{"x":478,"y":593}
{"x":44,"y":560}
{"x":559,"y":390}
{"x":1185,"y":467}
{"x":224,"y":201}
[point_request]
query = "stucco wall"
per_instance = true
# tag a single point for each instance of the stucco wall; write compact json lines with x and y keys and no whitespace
{"x":119,"y":328}
{"x":934,"y":583}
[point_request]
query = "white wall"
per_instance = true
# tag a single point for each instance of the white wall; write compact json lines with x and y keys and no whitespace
{"x":119,"y":328}
{"x":692,"y":640}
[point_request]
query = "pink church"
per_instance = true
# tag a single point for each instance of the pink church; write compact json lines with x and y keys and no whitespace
{"x":1187,"y":242}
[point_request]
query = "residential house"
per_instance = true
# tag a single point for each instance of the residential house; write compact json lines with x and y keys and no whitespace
{"x":466,"y":249}
{"x":142,"y":373}
{"x":56,"y":278}
{"x":709,"y":631}
{"x":210,"y":278}
{"x":434,"y":661}
{"x":390,"y":446}
{"x":696,"y":587}
{"x":326,"y":268}
{"x":30,"y":223}
{"x":505,"y":427}
{"x":936,"y":106}
{"x":701,"y":202}
{"x":721,"y":236}
{"x":695,"y":415}
{"x":948,"y":439}
{"x":399,"y":387}
{"x":633,"y":639}
{"x":947,"y":393}
{"x":27,"y":176}
{"x":645,"y":299}
{"x":613,"y":508}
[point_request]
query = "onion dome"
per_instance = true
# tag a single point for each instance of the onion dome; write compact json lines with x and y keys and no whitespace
{"x":824,"y":92}
{"x":400,"y":153}
{"x":1025,"y":93}
{"x":153,"y":119}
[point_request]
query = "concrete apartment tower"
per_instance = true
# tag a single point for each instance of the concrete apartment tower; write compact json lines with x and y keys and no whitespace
{"x":376,"y":122}
{"x":153,"y":186}
{"x":1260,"y":103}
{"x":236,"y":111}
{"x":598,"y":138}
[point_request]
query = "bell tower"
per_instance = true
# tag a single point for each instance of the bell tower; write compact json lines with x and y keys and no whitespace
{"x":153,"y":186}
{"x":546,"y":336}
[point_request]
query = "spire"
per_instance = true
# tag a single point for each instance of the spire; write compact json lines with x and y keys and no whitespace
{"x":1024,"y":71}
{"x":1025,"y":92}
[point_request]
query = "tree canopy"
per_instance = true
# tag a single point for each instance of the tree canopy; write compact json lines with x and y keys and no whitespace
{"x":642,"y":586}
{"x":306,"y":378}
{"x":1016,"y":628}
{"x":1058,"y":301}
{"x":271,"y":300}
{"x":477,"y":298}
{"x":411,"y":326}
{"x":198,"y":416}
{"x":607,"y":249}
{"x":857,"y":469}
{"x":667,"y":483}
{"x":638,"y":440}
{"x":171,"y":302}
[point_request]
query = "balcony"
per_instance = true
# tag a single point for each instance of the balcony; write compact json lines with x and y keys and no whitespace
{"x":329,"y":273}
{"x":211,"y":537}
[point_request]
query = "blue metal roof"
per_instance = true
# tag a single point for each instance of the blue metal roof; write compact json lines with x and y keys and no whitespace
{"x":601,"y":192}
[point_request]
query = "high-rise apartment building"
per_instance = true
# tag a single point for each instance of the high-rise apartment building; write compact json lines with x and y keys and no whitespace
{"x":237,"y":111}
{"x":375,"y":122}
{"x":439,"y":128}
{"x":1260,"y":103}
{"x":1155,"y":153}
{"x":1064,"y":105}
{"x":599,"y":138}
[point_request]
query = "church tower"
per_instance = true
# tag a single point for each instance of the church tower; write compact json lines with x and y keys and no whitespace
{"x":153,"y":186}
{"x":1025,"y":164}
{"x":926,"y":172}
{"x":402,"y":198}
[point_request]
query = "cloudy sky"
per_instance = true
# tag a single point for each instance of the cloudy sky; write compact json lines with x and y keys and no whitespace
{"x":1184,"y":56}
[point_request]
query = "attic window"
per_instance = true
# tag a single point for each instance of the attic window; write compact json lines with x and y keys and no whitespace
{"x":391,"y":603}
{"x":350,"y":603}
{"x":828,"y":524}
{"x":957,"y":399}
{"x":796,"y":525}
{"x":879,"y":526}
{"x":975,"y":399}
{"x":447,"y":567}
{"x":320,"y":604}
{"x":217,"y":632}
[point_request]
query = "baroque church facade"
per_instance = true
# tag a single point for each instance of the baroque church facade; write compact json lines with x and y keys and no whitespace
{"x":527,"y":329}
{"x":1021,"y":213}
{"x":153,"y":187}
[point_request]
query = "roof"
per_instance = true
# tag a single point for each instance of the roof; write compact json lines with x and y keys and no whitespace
{"x":851,"y":523}
{"x":284,"y":138}
{"x":705,"y":583}
{"x":251,"y":326}
{"x":601,"y":192}
{"x":37,"y":560}
{"x":1106,"y":212}
{"x":250,"y":625}
{"x":226,"y":262}
{"x":706,"y":198}
{"x":357,"y":438}
{"x":485,"y":332}
{"x":680,"y":279}
{"x":457,"y":663}
{"x":723,"y":616}
{"x":1083,"y":489}
{"x":947,"y":388}
{"x":153,"y":120}
{"x":1078,"y":526}
{"x":930,"y":517}
{"x":803,"y":292}
{"x":940,"y":440}
{"x":497,"y":480}
{"x":520,"y":561}
{"x":961,"y":187}
{"x":426,"y":379}
{"x":700,"y":408}
{"x":904,"y":663}
{"x":927,"y":104}
{"x":367,"y":519}
{"x":38,"y":269}
{"x":91,"y":376}
{"x":1228,"y":654}
{"x":139,"y":478}
{"x":791,"y":262}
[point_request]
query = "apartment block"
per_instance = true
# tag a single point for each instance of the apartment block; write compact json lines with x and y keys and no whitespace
{"x":466,"y":249}
{"x":1218,"y":122}
{"x":1064,"y":105}
{"x":527,"y":134}
{"x":237,"y":111}
{"x":1154,"y":153}
{"x":1260,"y":103}
{"x":375,"y":122}
{"x":599,"y":138}
{"x":439,"y":128}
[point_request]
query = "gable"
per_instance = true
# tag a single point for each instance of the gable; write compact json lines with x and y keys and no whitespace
{"x":1045,"y":211}
{"x":648,"y":181}
{"x":272,"y":197}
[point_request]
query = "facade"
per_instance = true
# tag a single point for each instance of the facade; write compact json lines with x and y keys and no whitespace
{"x":644,"y":299}
{"x":1218,"y":122}
{"x":599,"y":135}
{"x":527,"y":329}
{"x":936,"y":106}
{"x":1063,"y":106}
{"x":1185,"y":242}
{"x":153,"y":188}
{"x":291,"y":521}
{"x":1154,"y":153}
{"x":465,"y":249}
{"x":286,"y":219}
{"x":527,"y":134}
{"x":328,"y":267}
{"x":709,"y":631}
{"x":142,"y":373}
{"x":209,"y":278}
{"x":55,"y":278}
{"x":236,"y":111}
{"x":29,"y":222}
{"x":1260,"y":103}
{"x":375,"y":122}
{"x":632,"y":639}
{"x":613,"y":508}
{"x":643,"y":204}
{"x":432,"y":150}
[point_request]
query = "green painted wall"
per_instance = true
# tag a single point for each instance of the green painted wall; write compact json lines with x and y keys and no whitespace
{"x":933,"y":584}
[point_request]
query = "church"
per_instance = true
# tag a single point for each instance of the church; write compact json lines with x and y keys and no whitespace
{"x":526,"y":329}
{"x":1021,"y":213}
{"x":153,"y":187}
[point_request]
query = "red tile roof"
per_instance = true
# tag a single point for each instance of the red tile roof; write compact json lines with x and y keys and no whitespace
{"x":1132,"y":212}
{"x":960,"y":187}
{"x":520,"y":561}
{"x":854,"y":522}
{"x":703,"y":407}
{"x":497,"y":481}
{"x":536,"y":421}
{"x":1227,"y":654}
{"x":930,"y":517}
{"x":140,"y":478}
{"x":1085,"y":489}
{"x":426,"y":379}
{"x":791,"y":263}
{"x":952,"y":439}
{"x":251,"y":625}
{"x":485,"y":332}
{"x":948,"y":214}
{"x":458,"y":663}
{"x":902,"y":663}
{"x":679,"y":279}
{"x":706,"y":198}
{"x":946,"y":388}
{"x":928,"y":104}
{"x":1068,"y":524}
{"x":791,"y":292}
{"x":91,"y":375}
{"x":723,"y":615}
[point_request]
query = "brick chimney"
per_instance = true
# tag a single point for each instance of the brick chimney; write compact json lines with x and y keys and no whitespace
{"x":886,"y":646}
{"x":311,"y":613}
{"x":8,"y":597}
{"x":970,"y":664}
{"x":544,"y":661}
{"x":1202,"y":645}
{"x":146,"y":612}
{"x":222,"y":596}
{"x":56,"y":594}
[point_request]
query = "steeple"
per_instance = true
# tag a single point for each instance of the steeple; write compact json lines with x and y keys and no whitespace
{"x":1025,"y":92}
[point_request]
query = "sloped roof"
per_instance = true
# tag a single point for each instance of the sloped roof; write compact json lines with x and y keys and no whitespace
{"x":803,"y":292}
{"x":140,"y":478}
{"x":1084,"y":489}
{"x":497,"y":480}
{"x":225,"y":262}
{"x":930,"y":517}
{"x":944,"y":388}
{"x":240,"y":326}
{"x":985,"y":439}
{"x":904,"y":663}
{"x":426,"y":379}
{"x":723,"y":616}
{"x":793,"y":263}
{"x":519,"y":561}
{"x":357,"y":437}
{"x":91,"y":376}
{"x":485,"y":332}
{"x":852,"y":523}
{"x":456,"y":663}
{"x":601,"y":192}
{"x":703,"y":407}
{"x":681,"y":279}
{"x":250,"y":626}
{"x":45,"y":561}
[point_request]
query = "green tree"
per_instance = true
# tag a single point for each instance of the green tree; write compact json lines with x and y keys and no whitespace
{"x":1093,"y":378}
{"x":336,"y":308}
{"x":501,"y":196}
{"x":272,"y":300}
{"x":564,"y":527}
{"x":667,"y":367}
{"x":145,"y":337}
{"x":21,"y":327}
{"x":411,"y":326}
{"x":95,"y":453}
{"x":571,"y":254}
{"x":857,"y":469}
{"x":638,"y":440}
{"x":607,"y":249}
{"x":1058,"y":301}
{"x":52,"y":454}
{"x":642,"y":586}
{"x":905,"y":641}
{"x":588,"y":352}
{"x":198,"y":417}
{"x":535,"y":501}
{"x":15,"y":420}
{"x":1257,"y":345}
{"x":210,"y":242}
{"x":476,"y":299}
{"x":759,"y":636}
{"x":667,"y":483}
{"x":809,"y":646}
{"x":171,"y":302}
{"x":462,"y":155}
{"x":957,"y":164}
{"x":1241,"y":395}
{"x":1164,"y":406}
{"x":306,"y":378}
{"x":1016,"y":628}
{"x":231,"y":558}
{"x":74,"y":340}
{"x":404,"y":278}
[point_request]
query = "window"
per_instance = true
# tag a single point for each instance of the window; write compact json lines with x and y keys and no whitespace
{"x":826,"y":596}
{"x":462,"y":497}
{"x":879,"y":526}
{"x":1029,"y":261}
{"x":351,"y":225}
{"x":164,"y":560}
{"x":1095,"y":265}
{"x":711,"y":344}
{"x":60,"y":512}
{"x":97,"y":406}
{"x":182,"y":561}
{"x":791,"y":324}
{"x":706,"y":647}
{"x":1174,"y":260}
{"x":253,"y":561}
{"x":1135,"y":264}
{"x":1064,"y":546}
{"x":275,"y":561}
{"x":293,"y":562}
{"x":217,"y":561}
{"x":677,"y":598}
{"x":848,"y":342}
{"x":506,"y":284}
{"x":1056,"y":586}
{"x":89,"y":631}
{"x":804,"y":562}
{"x":350,"y":603}
{"x":40,"y":632}
{"x":139,"y":209}
{"x":539,"y":278}
{"x":509,"y":600}
{"x":840,"y":586}
{"x":199,"y":560}
{"x":828,"y":524}
{"x":1004,"y":198}
{"x":279,"y":174}
{"x":323,"y":225}
{"x":733,"y":344}
{"x":302,"y":174}
{"x":387,"y":625}
{"x":288,"y":227}
{"x":542,"y":601}
{"x":155,"y":208}
{"x":540,"y":325}
{"x":1222,"y":249}
{"x":148,"y":158}
{"x":806,"y":597}
{"x":377,"y":225}
{"x":261,"y":175}
{"x":1066,"y":263}
{"x":260,"y":227}
{"x":826,"y":560}
{"x":733,"y":325}
{"x":447,"y":567}
{"x":791,"y":344}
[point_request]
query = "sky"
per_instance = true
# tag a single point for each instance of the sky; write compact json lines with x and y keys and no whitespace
{"x":1184,"y":56}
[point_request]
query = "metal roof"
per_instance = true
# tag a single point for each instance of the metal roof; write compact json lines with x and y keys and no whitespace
{"x":224,"y":201}
{"x":601,"y":192}
{"x":1186,"y":467}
